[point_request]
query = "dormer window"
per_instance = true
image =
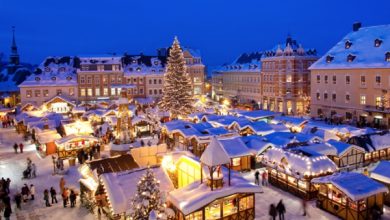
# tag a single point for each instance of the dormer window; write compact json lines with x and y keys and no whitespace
{"x":156,"y":62}
{"x":350,"y":57}
{"x":69,"y":78}
{"x":37,"y":79}
{"x":138,"y":69}
{"x":387,"y":57}
{"x":53,"y":78}
{"x":377,"y":42}
{"x":329,"y":58}
{"x":47,"y":69}
{"x":62,"y":69}
{"x":348,"y":44}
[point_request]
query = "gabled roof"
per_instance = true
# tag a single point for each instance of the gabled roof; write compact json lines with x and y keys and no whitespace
{"x":355,"y":185}
{"x":215,"y":154}
{"x":113,"y":164}
{"x":61,"y":98}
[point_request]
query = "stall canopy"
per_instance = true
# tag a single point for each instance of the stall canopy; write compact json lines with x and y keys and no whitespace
{"x":113,"y":164}
{"x":72,"y":137}
{"x":355,"y":185}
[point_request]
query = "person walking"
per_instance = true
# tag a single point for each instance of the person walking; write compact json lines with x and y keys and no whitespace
{"x":32,"y":191}
{"x":281,"y":210}
{"x":264,"y":177}
{"x":53,"y":195}
{"x":72,"y":198}
{"x":33,"y":170}
{"x":272,"y":212}
{"x":65,"y":197}
{"x":16,"y":148}
{"x":21,"y":147}
{"x":304,"y":207}
{"x":18,"y":200}
{"x":7,"y":212}
{"x":46,"y":197}
{"x":257,"y":176}
{"x":62,"y":184}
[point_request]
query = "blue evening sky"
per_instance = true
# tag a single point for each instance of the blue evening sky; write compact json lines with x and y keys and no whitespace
{"x":221,"y":29}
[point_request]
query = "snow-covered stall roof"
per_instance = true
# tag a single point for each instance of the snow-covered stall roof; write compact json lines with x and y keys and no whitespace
{"x":362,"y":46}
{"x":381,"y":172}
{"x":122,"y":186}
{"x":282,"y":139}
{"x":47,"y":136}
{"x":61,"y":98}
{"x":235,"y":147}
{"x":78,"y":109}
{"x":215,"y":154}
{"x":380,"y":142}
{"x":342,"y":147}
{"x":73,"y":137}
{"x":258,"y":114}
{"x":78,"y":127}
{"x":298,"y":163}
{"x":196,"y":195}
{"x":256,"y":144}
{"x":355,"y":185}
{"x":289,"y":121}
{"x":259,"y":127}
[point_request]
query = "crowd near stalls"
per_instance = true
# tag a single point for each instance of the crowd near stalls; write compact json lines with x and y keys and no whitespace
{"x":350,"y":195}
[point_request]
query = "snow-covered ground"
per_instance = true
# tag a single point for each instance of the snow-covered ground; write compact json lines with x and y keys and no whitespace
{"x":12,"y":166}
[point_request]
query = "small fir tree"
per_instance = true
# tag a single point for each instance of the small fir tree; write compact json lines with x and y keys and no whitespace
{"x":147,"y":198}
{"x":177,"y":93}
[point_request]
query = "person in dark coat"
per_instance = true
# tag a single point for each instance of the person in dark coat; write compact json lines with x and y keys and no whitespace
{"x":21,"y":147}
{"x":72,"y":198}
{"x":257,"y":177}
{"x":18,"y":200}
{"x":281,"y":210}
{"x":53,"y":195}
{"x":272,"y":212}
{"x":46,"y":197}
{"x":7,"y":212}
{"x":7,"y":201}
{"x":16,"y":148}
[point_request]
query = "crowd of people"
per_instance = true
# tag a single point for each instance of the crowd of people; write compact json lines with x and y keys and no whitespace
{"x":91,"y":153}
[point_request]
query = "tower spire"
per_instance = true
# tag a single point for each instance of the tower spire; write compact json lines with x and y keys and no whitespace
{"x":14,"y":56}
{"x":14,"y":48}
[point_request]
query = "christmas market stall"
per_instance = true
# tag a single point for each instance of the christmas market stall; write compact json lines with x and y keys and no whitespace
{"x":295,"y":124}
{"x":240,"y":155}
{"x":46,"y":141}
{"x":77,"y":127}
{"x":58,"y":104}
{"x":292,"y":170}
{"x":220,"y":193}
{"x":258,"y":115}
{"x":68,"y":146}
{"x":142,"y":126}
{"x":381,"y":173}
{"x":350,"y":196}
{"x":258,"y":147}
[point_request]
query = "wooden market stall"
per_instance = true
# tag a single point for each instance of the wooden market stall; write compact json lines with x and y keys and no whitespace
{"x":142,"y":126}
{"x":68,"y":146}
{"x":292,"y":170}
{"x":381,"y":173}
{"x":46,"y":141}
{"x":350,"y":196}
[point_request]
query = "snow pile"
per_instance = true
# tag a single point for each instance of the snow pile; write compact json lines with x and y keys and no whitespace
{"x":355,"y":185}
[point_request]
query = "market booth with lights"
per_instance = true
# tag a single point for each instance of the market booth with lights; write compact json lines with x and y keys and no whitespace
{"x":349,"y":195}
{"x":381,"y":173}
{"x":219,"y":194}
{"x":293,"y":170}
{"x":68,"y":146}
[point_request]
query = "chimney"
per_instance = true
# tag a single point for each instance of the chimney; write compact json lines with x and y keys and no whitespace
{"x":356,"y":26}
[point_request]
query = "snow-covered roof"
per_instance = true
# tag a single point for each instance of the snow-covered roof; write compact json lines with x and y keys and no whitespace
{"x":78,"y":127}
{"x":290,"y":121}
{"x":381,"y":172}
{"x":298,"y":163}
{"x":282,"y":139}
{"x":246,"y":62}
{"x":122,"y":186}
{"x":380,"y":142}
{"x":342,"y":147}
{"x":362,"y":46}
{"x":100,"y":59}
{"x":50,"y":79}
{"x":72,"y":137}
{"x":47,"y":136}
{"x":235,"y":147}
{"x":259,"y":127}
{"x":215,"y":154}
{"x":258,"y":114}
{"x":196,"y":195}
{"x":256,"y":144}
{"x":355,"y":185}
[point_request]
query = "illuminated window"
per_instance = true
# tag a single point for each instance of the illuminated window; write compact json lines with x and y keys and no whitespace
{"x":348,"y":44}
{"x":37,"y":93}
{"x":89,"y":92}
{"x":82,"y":92}
{"x":363,"y":80}
{"x":318,"y":95}
{"x":318,"y":78}
{"x":288,"y":78}
{"x":362,"y":99}
{"x":45,"y":93}
{"x":59,"y":92}
{"x":71,"y":91}
{"x":105,"y":91}
{"x":334,"y":79}
{"x":246,"y":203}
{"x":377,"y":42}
{"x":236,"y":161}
{"x":326,"y":79}
{"x":378,"y":101}
{"x":97,"y":91}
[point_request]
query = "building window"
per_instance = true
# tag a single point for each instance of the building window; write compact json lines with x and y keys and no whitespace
{"x":325,"y":96}
{"x":97,"y":91}
{"x":236,"y":162}
{"x":318,"y":78}
{"x":59,"y":92}
{"x":71,"y":91}
{"x":363,"y":80}
{"x":105,"y":79}
{"x":150,"y":92}
{"x":89,"y":92}
{"x":334,"y":96}
{"x":155,"y":81}
{"x":89,"y":80}
{"x":377,"y":42}
{"x":160,"y":91}
{"x":362,"y":99}
{"x":350,"y":58}
{"x":329,"y":58}
{"x":160,"y":81}
{"x":155,"y":91}
{"x":37,"y":93}
{"x":82,"y":92}
{"x":112,"y":79}
{"x":318,"y":95}
{"x":135,"y":80}
{"x":378,"y":101}
{"x":387,"y":57}
{"x":113,"y":91}
{"x":334,"y":79}
{"x":150,"y":81}
{"x":326,"y":79}
{"x":45,"y":93}
{"x":105,"y":91}
{"x":347,"y":80}
{"x":289,"y":78}
{"x":119,"y":79}
{"x":97,"y":80}
{"x":378,"y":80}
{"x":82,"y":80}
{"x":347,"y":98}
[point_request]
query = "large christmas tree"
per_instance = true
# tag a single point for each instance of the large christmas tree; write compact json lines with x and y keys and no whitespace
{"x":148,"y":198}
{"x":177,"y":98}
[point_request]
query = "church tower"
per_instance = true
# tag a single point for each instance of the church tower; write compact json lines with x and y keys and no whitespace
{"x":14,"y":56}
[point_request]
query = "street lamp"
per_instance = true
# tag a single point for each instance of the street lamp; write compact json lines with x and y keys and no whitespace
{"x":54,"y":164}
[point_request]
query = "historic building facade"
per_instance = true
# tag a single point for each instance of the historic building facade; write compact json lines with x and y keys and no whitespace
{"x":285,"y":78}
{"x":352,"y":80}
